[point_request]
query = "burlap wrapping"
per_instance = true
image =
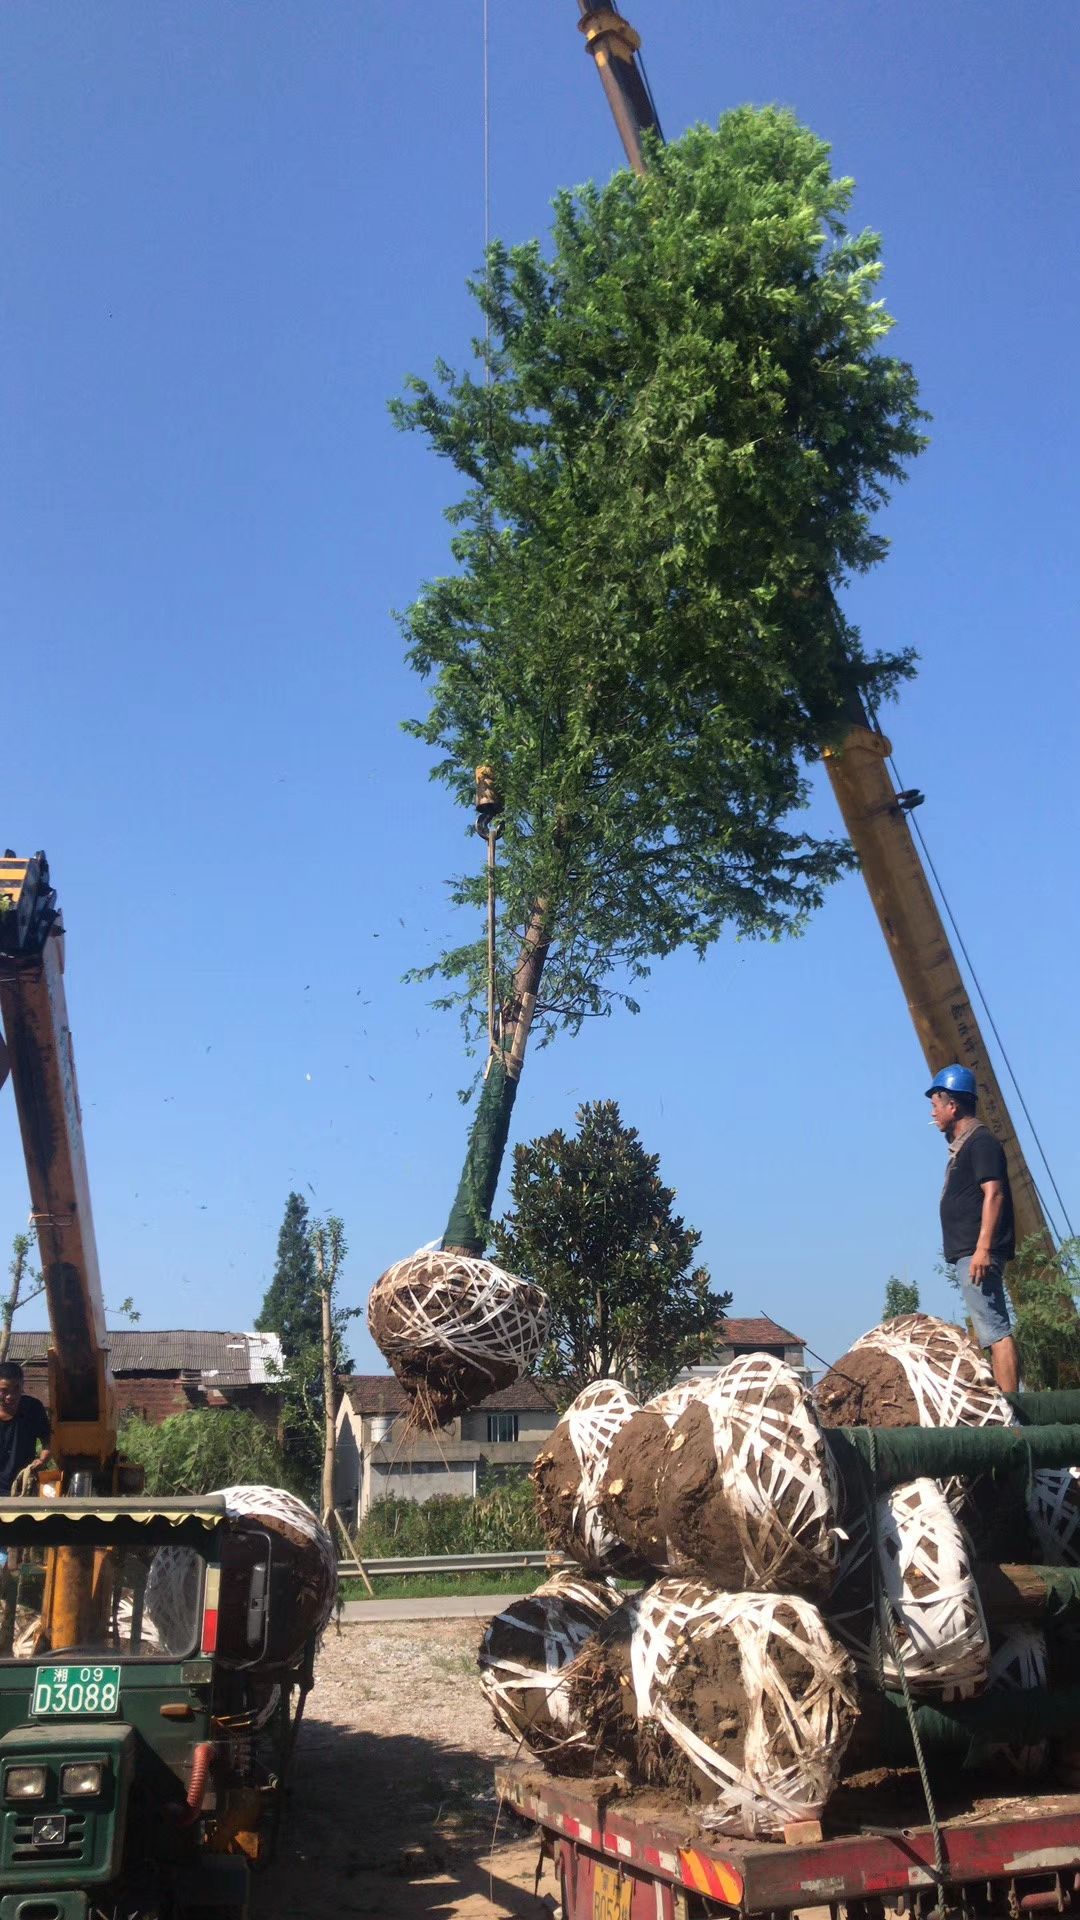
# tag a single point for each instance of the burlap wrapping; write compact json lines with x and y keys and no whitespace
{"x":775,"y":1487}
{"x":798,"y":1706}
{"x":522,"y":1657}
{"x":1017,"y":1664}
{"x":454,"y":1329}
{"x":926,"y":1572}
{"x":569,"y":1473}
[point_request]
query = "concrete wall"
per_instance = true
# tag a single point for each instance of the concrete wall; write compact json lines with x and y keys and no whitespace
{"x":419,"y":1480}
{"x":533,"y":1425}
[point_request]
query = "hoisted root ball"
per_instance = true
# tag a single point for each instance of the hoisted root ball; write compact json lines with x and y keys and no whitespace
{"x":454,"y":1329}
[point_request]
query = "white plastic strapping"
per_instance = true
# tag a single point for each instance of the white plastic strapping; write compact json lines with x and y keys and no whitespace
{"x":1054,"y":1511}
{"x":592,"y":1421}
{"x":467,"y":1307}
{"x":793,"y":1748}
{"x":674,"y":1401}
{"x":775,"y":1471}
{"x":525,"y":1692}
{"x":950,"y":1381}
{"x":283,"y":1513}
{"x":1018,"y":1664}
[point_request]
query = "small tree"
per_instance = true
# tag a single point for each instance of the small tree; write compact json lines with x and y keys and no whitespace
{"x":292,"y":1310}
{"x":901,"y":1296}
{"x":328,"y":1247}
{"x":26,"y":1285}
{"x":593,"y":1225}
{"x":1045,"y":1288}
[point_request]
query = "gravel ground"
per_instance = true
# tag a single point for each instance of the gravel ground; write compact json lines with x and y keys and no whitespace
{"x":393,"y":1812}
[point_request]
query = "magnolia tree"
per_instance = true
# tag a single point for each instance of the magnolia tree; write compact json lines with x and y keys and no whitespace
{"x":672,"y":454}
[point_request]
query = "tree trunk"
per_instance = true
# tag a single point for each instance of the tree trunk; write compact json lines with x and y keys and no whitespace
{"x":10,"y":1304}
{"x":329,"y":1410}
{"x":467,"y":1228}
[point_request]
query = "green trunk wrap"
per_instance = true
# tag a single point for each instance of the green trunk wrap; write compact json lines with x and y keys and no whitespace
{"x":470,"y":1214}
{"x":971,"y":1725}
{"x":893,"y":1455}
{"x":1047,"y":1409}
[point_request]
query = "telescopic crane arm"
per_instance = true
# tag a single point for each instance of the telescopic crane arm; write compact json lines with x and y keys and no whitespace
{"x":875,"y":814}
{"x":41,"y":1064}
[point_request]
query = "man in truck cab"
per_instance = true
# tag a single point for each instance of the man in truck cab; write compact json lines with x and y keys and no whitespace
{"x":24,"y":1425}
{"x":976,"y":1216}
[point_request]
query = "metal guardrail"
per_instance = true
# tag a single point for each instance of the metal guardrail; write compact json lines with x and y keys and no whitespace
{"x":442,"y":1563}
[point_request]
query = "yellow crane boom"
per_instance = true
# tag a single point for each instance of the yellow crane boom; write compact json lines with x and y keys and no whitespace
{"x":41,"y":1064}
{"x":874,"y":812}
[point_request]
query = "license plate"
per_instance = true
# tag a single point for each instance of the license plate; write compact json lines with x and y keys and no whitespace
{"x":75,"y":1691}
{"x":612,"y":1894}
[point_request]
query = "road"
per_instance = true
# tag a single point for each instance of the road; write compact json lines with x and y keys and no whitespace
{"x":458,"y":1606}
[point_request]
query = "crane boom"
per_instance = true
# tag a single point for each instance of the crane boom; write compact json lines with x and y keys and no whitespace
{"x":41,"y":1063}
{"x":874,"y":812}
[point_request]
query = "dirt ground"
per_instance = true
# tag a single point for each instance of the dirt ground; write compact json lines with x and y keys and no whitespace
{"x":392,"y":1811}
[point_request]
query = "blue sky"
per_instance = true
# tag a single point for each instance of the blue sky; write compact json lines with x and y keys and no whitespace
{"x":228,"y":231}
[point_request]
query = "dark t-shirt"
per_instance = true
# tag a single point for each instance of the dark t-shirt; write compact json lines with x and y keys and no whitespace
{"x":19,"y":1439}
{"x":979,"y":1157}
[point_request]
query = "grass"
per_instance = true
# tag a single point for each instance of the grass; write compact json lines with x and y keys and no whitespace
{"x":440,"y":1586}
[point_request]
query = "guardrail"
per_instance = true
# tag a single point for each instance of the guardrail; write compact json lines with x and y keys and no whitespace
{"x":369,"y":1570}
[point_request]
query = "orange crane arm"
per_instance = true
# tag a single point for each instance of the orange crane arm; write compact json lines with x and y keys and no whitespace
{"x":874,"y":813}
{"x":41,"y":1064}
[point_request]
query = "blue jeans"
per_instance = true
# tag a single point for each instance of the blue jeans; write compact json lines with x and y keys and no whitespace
{"x":985,"y":1301}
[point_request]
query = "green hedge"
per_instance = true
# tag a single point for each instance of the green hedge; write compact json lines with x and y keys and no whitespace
{"x":200,"y":1451}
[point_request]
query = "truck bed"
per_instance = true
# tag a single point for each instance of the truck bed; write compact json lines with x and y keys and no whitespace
{"x":876,"y":1842}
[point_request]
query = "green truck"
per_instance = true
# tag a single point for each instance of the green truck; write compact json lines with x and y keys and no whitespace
{"x":141,"y":1768}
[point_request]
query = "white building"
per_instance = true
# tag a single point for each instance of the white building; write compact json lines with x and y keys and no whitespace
{"x":376,"y":1459}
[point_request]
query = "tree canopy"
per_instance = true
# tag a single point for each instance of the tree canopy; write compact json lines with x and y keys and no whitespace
{"x":686,"y":426}
{"x":593,"y":1225}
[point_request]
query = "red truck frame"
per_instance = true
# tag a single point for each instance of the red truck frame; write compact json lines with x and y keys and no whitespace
{"x":615,"y":1863}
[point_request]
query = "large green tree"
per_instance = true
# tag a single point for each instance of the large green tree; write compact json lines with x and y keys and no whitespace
{"x":672,"y":454}
{"x":593,"y":1225}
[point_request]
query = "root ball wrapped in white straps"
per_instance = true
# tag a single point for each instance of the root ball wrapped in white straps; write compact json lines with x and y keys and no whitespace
{"x":755,"y":1694}
{"x":569,"y":1474}
{"x":522,"y":1659}
{"x":749,"y":1491}
{"x":454,"y":1329}
{"x":629,"y":1492}
{"x":926,"y":1573}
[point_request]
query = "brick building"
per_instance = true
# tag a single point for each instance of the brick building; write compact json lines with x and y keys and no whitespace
{"x":375,"y":1459}
{"x":158,"y":1374}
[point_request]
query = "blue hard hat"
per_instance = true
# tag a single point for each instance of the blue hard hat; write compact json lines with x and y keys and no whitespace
{"x":954,"y":1079}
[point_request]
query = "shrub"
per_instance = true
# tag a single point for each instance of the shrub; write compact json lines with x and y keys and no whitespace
{"x":200,"y":1451}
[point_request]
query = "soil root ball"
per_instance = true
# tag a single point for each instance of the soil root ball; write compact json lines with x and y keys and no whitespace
{"x":523,"y":1659}
{"x":569,"y":1473}
{"x":454,"y":1330}
{"x":748,"y":1491}
{"x":1018,"y":1663}
{"x":754,"y":1694}
{"x":629,"y":1492}
{"x":304,"y":1586}
{"x":925,"y":1572}
{"x":914,"y":1371}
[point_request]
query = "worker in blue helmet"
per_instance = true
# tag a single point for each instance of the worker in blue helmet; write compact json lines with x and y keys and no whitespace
{"x":977,"y":1216}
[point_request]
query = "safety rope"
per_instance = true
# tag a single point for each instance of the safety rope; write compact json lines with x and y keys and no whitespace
{"x":884,"y":1610}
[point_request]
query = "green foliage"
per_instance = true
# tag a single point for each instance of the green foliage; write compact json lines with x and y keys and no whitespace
{"x":901,"y":1296}
{"x":499,"y":1520}
{"x":291,"y":1304}
{"x":688,"y":428}
{"x":1045,"y":1291}
{"x":292,"y":1309}
{"x":201,"y":1451}
{"x":594,"y":1227}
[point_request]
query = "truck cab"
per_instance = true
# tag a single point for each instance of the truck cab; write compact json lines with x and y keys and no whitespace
{"x":139,"y":1732}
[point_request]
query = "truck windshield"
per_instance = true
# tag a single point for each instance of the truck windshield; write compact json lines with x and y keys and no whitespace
{"x":135,"y":1602}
